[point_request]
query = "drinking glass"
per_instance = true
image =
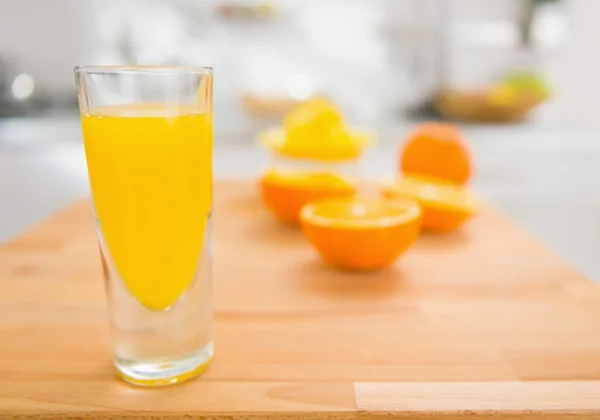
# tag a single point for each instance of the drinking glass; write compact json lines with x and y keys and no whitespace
{"x":148,"y":141}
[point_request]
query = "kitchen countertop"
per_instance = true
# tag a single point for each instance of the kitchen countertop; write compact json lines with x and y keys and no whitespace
{"x":543,"y":177}
{"x":463,"y":327}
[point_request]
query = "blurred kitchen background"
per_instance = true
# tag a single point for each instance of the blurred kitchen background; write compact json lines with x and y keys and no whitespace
{"x":380,"y":59}
{"x":387,"y":64}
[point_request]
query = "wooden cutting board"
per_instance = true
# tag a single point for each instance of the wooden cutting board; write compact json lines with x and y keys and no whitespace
{"x":484,"y":323}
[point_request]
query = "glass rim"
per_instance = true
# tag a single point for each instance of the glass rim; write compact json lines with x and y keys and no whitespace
{"x":143,"y":69}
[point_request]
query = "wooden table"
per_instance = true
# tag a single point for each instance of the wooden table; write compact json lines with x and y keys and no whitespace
{"x":485,"y":323}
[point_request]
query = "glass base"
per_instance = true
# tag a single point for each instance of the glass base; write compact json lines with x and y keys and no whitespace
{"x":164,"y":372}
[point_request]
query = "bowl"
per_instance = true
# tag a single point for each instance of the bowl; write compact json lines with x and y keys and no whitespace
{"x":475,"y":106}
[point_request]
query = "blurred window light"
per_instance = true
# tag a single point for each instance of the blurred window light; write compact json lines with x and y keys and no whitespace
{"x":149,"y":57}
{"x":22,"y":86}
{"x":500,"y":34}
{"x":549,"y":27}
{"x":301,"y":87}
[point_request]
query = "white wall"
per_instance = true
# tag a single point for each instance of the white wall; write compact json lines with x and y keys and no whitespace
{"x":576,"y":70}
{"x":47,"y":38}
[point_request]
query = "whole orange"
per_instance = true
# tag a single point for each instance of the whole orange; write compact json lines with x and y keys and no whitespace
{"x":439,"y":150}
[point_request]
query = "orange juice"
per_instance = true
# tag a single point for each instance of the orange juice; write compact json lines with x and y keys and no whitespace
{"x":150,"y":174}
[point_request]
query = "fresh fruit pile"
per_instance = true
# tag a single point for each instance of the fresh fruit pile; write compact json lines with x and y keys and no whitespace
{"x":519,"y":86}
{"x":508,"y":99}
{"x":352,"y":232}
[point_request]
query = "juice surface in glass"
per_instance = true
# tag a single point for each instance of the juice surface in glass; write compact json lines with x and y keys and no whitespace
{"x":150,"y":172}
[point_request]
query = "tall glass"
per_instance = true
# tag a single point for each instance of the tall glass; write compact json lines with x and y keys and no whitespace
{"x":148,"y":141}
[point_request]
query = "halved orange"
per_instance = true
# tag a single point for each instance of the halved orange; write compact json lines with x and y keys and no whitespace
{"x":446,"y":206}
{"x":286,"y":193}
{"x":361,"y":234}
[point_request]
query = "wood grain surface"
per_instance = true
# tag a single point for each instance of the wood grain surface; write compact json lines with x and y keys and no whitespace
{"x":484,"y":323}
